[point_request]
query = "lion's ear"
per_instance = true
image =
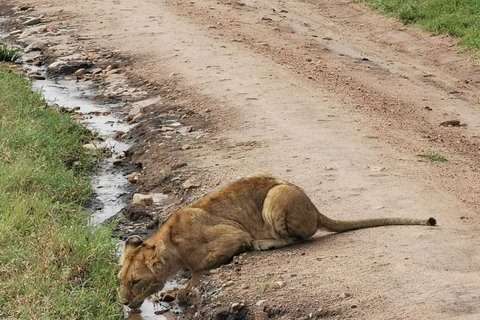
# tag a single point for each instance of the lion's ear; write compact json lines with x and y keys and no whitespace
{"x":131,"y":243}
{"x":158,"y":257}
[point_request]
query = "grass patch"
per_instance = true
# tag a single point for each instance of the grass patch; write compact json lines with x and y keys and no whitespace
{"x":433,"y":156}
{"x":9,"y":54}
{"x":459,"y":18}
{"x":53,"y":265}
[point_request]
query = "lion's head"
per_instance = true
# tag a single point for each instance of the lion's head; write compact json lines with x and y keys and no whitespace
{"x":142,"y":271}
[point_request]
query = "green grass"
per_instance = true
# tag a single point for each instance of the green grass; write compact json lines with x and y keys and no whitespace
{"x":460,"y":18}
{"x":53,"y":265}
{"x":8,"y":53}
{"x":433,"y":156}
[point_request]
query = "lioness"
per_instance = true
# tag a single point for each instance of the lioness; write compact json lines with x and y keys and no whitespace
{"x":258,"y":212}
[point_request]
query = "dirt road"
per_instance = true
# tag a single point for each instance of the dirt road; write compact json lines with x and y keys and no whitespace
{"x":341,"y":102}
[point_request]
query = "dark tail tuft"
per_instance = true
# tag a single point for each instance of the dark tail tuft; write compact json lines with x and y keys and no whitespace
{"x":432,"y":222}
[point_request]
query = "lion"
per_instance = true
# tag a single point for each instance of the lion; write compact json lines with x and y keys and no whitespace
{"x":259,"y":212}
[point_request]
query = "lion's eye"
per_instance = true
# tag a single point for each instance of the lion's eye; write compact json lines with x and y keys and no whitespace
{"x":134,"y":282}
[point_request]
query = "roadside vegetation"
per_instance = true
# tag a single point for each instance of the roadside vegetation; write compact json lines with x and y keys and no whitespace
{"x":53,"y":265}
{"x":433,"y":156}
{"x":458,"y":18}
{"x":9,"y":54}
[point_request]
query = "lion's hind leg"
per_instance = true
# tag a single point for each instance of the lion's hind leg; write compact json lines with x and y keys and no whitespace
{"x":289,"y":214}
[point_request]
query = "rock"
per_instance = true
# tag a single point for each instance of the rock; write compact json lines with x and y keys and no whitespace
{"x":25,"y":7}
{"x":46,"y":28}
{"x":133,"y":178}
{"x":96,"y":71}
{"x":168,"y":298}
{"x":158,"y":197}
{"x":56,"y":65}
{"x":29,"y":60}
{"x":137,"y":116}
{"x":185,"y":130}
{"x":117,"y":161}
{"x":190,"y":183}
{"x":186,"y":147}
{"x":16,"y":32}
{"x":80,"y":72}
{"x":113,"y":71}
{"x":36,"y":76}
{"x":93,"y":148}
{"x":235,"y":305}
{"x":32,"y":22}
{"x":142,"y":199}
{"x":166,"y":129}
{"x":450,"y":123}
{"x":179,"y":165}
{"x":260,"y":303}
{"x":135,"y":212}
{"x":35,"y":46}
{"x":276,"y":285}
{"x":119,"y":135}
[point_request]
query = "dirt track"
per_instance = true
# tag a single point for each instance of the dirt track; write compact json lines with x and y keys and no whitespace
{"x":339,"y":101}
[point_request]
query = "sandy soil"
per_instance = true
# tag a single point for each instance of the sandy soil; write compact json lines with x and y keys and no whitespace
{"x":341,"y":102}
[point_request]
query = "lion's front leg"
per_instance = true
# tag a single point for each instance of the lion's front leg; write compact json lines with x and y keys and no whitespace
{"x":270,"y":244}
{"x":182,"y":295}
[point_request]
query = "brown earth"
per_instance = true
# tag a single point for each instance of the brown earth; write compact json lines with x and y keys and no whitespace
{"x":339,"y":101}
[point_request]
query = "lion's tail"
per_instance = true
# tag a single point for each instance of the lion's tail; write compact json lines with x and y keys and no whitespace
{"x":339,"y":225}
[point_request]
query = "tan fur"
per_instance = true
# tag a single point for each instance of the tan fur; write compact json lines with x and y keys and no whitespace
{"x":258,"y":212}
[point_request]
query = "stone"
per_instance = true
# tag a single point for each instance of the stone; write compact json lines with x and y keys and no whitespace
{"x":235,"y":305}
{"x":113,"y":71}
{"x":35,"y":46}
{"x":96,"y":71}
{"x":119,"y":135}
{"x":46,"y":28}
{"x":56,"y":65}
{"x":137,"y":117}
{"x":276,"y":285}
{"x":80,"y":72}
{"x":142,"y":199}
{"x":190,"y":183}
{"x":179,"y":165}
{"x":186,"y":147}
{"x":16,"y":32}
{"x":117,"y":161}
{"x":32,"y":22}
{"x":133,"y":177}
{"x":36,"y":76}
{"x":185,"y":130}
{"x":260,"y":303}
{"x":168,"y":298}
{"x":165,"y":129}
{"x":450,"y":123}
{"x":93,"y":148}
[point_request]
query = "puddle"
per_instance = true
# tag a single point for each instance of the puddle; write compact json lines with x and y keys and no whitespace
{"x":109,"y":182}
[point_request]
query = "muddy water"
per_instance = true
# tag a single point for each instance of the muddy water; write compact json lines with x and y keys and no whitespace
{"x":109,"y":182}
